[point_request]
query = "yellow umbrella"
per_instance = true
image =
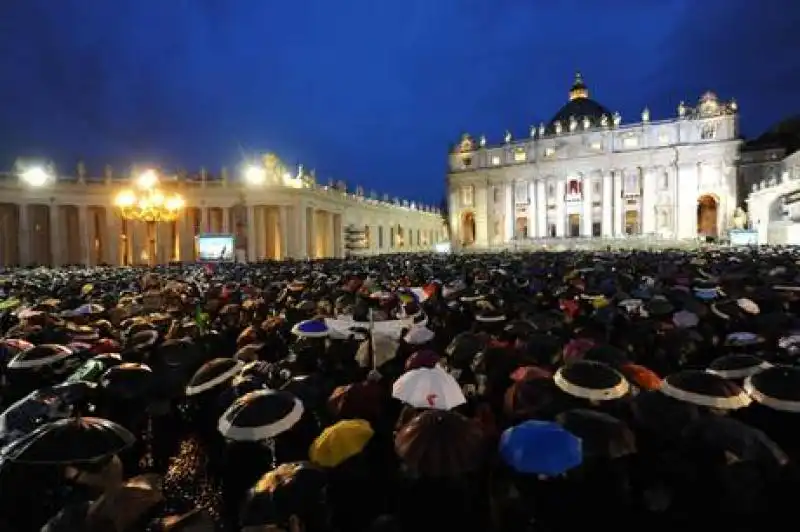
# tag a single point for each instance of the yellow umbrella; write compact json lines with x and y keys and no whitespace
{"x":599,"y":302}
{"x":340,"y":442}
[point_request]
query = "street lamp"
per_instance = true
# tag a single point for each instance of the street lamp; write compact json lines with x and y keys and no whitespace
{"x":149,"y":204}
{"x":36,"y":176}
{"x":255,"y":174}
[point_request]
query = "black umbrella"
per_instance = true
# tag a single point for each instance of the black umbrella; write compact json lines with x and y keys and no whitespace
{"x":594,"y":381}
{"x":213,"y":374}
{"x":260,"y":415}
{"x":128,"y":381}
{"x":295,"y":489}
{"x":463,"y":348}
{"x":777,"y":388}
{"x":69,"y":441}
{"x":602,"y":434}
{"x":40,"y":407}
{"x":737,"y":366}
{"x":740,"y":442}
{"x":51,"y":355}
{"x":704,"y":389}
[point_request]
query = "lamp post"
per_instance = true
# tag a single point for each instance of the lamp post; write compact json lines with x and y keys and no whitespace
{"x":147,"y":203}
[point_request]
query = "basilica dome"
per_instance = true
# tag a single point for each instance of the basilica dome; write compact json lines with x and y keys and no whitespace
{"x":579,"y":106}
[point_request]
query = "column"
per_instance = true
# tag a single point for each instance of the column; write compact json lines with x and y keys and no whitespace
{"x":586,"y":215}
{"x":648,"y":201}
{"x":56,"y":240}
{"x":203,"y":219}
{"x":112,"y":238}
{"x":24,"y":235}
{"x":283,"y":228}
{"x":541,"y":209}
{"x":509,"y":219}
{"x":686,"y":184}
{"x":310,"y":216}
{"x":533,"y":226}
{"x":226,"y":220}
{"x":83,"y":229}
{"x":301,"y":244}
{"x":251,"y":233}
{"x":608,"y":205}
{"x":619,"y":204}
{"x":561,"y":219}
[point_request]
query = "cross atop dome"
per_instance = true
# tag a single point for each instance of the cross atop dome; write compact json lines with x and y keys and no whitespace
{"x":579,"y":89}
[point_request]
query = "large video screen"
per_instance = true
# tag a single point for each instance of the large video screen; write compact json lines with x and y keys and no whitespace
{"x":216,"y":248}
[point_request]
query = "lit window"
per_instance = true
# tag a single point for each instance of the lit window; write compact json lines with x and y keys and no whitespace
{"x":630,"y":142}
{"x":596,"y":146}
{"x":520,"y":155}
{"x":549,"y":152}
{"x":708,"y":132}
{"x":495,"y":160}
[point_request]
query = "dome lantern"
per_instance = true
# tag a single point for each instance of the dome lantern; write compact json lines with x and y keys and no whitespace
{"x":579,"y":89}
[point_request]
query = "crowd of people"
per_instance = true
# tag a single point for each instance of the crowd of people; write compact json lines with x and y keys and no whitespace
{"x":539,"y":391}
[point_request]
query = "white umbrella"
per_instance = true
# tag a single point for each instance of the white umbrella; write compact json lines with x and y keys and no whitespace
{"x":428,"y":388}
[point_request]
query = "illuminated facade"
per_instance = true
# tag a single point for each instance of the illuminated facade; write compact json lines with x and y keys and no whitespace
{"x":273,"y":214}
{"x":585,"y":174}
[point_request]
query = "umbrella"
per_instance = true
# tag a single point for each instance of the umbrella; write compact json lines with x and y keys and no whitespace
{"x":739,"y":441}
{"x":591,"y":380}
{"x":128,"y":381}
{"x":540,"y":448}
{"x":439,"y":443}
{"x":525,"y":373}
{"x":94,"y":368}
{"x":123,"y":506}
{"x":212,"y":374}
{"x":601,"y":434}
{"x":418,"y":335}
{"x":737,"y":366}
{"x":644,"y":378}
{"x":39,"y":407}
{"x":39,"y":356}
{"x":777,"y":388}
{"x":311,"y":329}
{"x":296,"y":489}
{"x":197,"y":520}
{"x":357,"y":400}
{"x":704,"y":389}
{"x":428,"y":388}
{"x":662,"y":415}
{"x":463,"y":348}
{"x":422,"y":359}
{"x":529,"y":398}
{"x":260,"y":415}
{"x":69,"y":441}
{"x":340,"y":442}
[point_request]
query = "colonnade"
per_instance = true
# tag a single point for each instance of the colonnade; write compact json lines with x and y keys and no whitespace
{"x":57,"y":234}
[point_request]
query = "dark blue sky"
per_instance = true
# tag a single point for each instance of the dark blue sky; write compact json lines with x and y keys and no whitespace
{"x":369,"y":91}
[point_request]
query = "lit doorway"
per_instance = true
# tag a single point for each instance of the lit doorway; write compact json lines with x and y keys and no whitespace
{"x":707,"y":207}
{"x":574,"y":225}
{"x":468,"y":228}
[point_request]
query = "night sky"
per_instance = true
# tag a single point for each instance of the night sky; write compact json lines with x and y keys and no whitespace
{"x":368,"y":91}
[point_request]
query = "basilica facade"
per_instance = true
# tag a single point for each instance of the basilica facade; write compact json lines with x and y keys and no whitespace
{"x":586,"y":174}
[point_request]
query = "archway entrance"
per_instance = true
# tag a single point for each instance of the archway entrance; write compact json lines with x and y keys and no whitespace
{"x":468,"y":228}
{"x":574,"y":225}
{"x":522,"y":228}
{"x":707,"y":216}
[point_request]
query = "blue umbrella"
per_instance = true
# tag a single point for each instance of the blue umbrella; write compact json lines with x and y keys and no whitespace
{"x":540,"y":448}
